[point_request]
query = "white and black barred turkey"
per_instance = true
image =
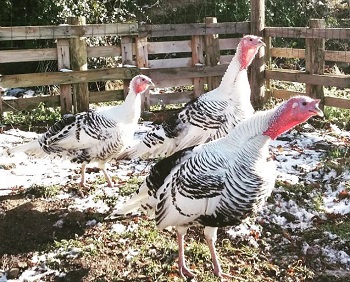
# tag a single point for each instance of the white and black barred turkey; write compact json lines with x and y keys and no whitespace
{"x":207,"y":117}
{"x":92,"y":136}
{"x":221,"y":182}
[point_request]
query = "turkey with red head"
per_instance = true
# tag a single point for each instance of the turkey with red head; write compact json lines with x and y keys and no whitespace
{"x":207,"y":117}
{"x":221,"y":182}
{"x":92,"y":136}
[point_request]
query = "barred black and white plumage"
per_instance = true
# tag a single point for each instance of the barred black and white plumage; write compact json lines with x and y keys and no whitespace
{"x":92,"y":136}
{"x":221,"y":182}
{"x":207,"y":117}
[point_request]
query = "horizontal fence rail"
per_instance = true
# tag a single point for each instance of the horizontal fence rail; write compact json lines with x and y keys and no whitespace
{"x":66,"y":31}
{"x":306,"y":32}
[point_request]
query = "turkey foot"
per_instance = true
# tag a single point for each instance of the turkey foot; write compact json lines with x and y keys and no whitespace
{"x":225,"y":276}
{"x":185,"y":272}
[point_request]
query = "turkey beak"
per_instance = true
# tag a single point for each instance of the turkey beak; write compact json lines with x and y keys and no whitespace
{"x":262,"y":43}
{"x":317,"y":109}
{"x":151,"y":84}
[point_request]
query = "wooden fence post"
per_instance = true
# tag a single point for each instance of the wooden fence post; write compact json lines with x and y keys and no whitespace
{"x":127,"y":59}
{"x":78,"y":57}
{"x":256,"y":75}
{"x":268,"y":64}
{"x":63,"y":62}
{"x":212,"y":53}
{"x":142,"y":62}
{"x":314,"y":60}
{"x":197,"y":58}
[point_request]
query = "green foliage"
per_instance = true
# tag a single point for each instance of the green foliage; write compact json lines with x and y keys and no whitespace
{"x":130,"y":186}
{"x":41,"y":191}
{"x":337,"y":158}
{"x":306,"y":195}
{"x":29,"y":118}
{"x":338,"y":116}
{"x":74,"y":247}
{"x":341,"y":228}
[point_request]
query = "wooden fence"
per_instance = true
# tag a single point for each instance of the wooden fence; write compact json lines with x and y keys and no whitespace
{"x":199,"y":56}
{"x":137,"y":45}
{"x":315,"y":57}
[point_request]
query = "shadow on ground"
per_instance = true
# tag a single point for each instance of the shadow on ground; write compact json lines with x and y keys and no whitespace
{"x":30,"y":226}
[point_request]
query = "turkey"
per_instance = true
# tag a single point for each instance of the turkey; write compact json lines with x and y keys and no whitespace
{"x":92,"y":136}
{"x":221,"y":182}
{"x":208,"y":116}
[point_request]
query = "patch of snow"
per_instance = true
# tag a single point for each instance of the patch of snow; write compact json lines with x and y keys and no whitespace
{"x":90,"y":202}
{"x":130,"y":253}
{"x":336,"y":256}
{"x":118,"y":228}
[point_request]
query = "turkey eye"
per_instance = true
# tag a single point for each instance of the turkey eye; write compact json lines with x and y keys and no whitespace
{"x":250,"y":39}
{"x":304,"y":104}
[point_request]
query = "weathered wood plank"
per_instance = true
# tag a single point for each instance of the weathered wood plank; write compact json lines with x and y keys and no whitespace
{"x":120,"y":29}
{"x":30,"y":103}
{"x":169,"y":47}
{"x":29,"y":55}
{"x":337,"y":56}
{"x":184,"y":72}
{"x":32,"y":55}
{"x":63,"y":62}
{"x":328,"y":101}
{"x":305,"y":32}
{"x":193,"y":29}
{"x":197,"y":46}
{"x":176,"y":82}
{"x":268,"y":65}
{"x":314,"y":60}
{"x":168,"y":63}
{"x":226,"y":59}
{"x":142,"y":62}
{"x":229,"y":43}
{"x":54,"y":101}
{"x":78,"y":61}
{"x":287,"y":52}
{"x":106,"y":96}
{"x":284,"y":94}
{"x":337,"y":102}
{"x":300,"y":76}
{"x":95,"y":97}
{"x":256,"y":71}
{"x":333,"y":56}
{"x":54,"y":78}
{"x":127,"y":58}
{"x":104,"y":51}
{"x":212,"y":53}
{"x":67,"y":31}
{"x":113,"y":29}
{"x":141,"y":52}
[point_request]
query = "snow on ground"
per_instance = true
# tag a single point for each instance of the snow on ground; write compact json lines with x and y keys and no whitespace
{"x":298,"y":157}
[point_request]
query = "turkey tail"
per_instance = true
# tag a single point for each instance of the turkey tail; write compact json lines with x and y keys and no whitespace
{"x":138,"y":200}
{"x":31,"y":148}
{"x":139,"y":150}
{"x":155,"y":144}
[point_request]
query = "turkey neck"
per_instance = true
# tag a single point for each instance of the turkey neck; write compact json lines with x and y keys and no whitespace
{"x":132,"y":107}
{"x":129,"y":112}
{"x":231,"y":76}
{"x":247,"y":130}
